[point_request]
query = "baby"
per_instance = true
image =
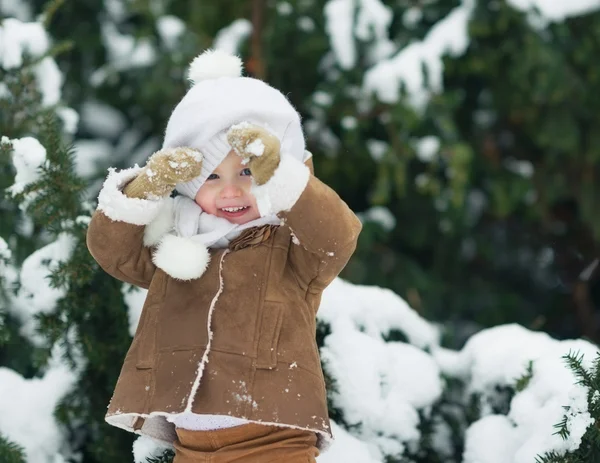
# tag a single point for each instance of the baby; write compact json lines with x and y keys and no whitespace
{"x":224,"y":363}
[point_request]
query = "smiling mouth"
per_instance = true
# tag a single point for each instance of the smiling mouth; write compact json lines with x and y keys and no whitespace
{"x":234,"y":211}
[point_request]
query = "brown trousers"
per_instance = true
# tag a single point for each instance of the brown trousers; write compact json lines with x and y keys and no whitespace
{"x":248,"y":443}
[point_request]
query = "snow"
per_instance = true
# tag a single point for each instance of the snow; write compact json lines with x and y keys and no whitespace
{"x":4,"y":91}
{"x":28,"y":156}
{"x":373,"y":19}
{"x":49,"y":81}
{"x":35,"y":293}
{"x":349,"y":122}
{"x":116,"y":10}
{"x":306,"y":24}
{"x":88,"y":154}
{"x":348,"y":449}
{"x":447,"y":36}
{"x":5,"y":252}
{"x":497,"y":357}
{"x":520,"y":167}
{"x":134,"y":298}
{"x":377,"y":149}
{"x":145,"y":447}
{"x":170,"y":28}
{"x":372,"y":24}
{"x":411,"y":17}
{"x":230,"y":38}
{"x":380,"y":215}
{"x":102,"y":120}
{"x":19,"y":9}
{"x":322,"y":98}
{"x":256,"y":148}
{"x":490,"y":440}
{"x":555,"y":10}
{"x":339,"y":21}
{"x":70,"y":119}
{"x":17,"y":38}
{"x":27,"y":409}
{"x":284,"y":8}
{"x":376,"y":311}
{"x":427,"y":148}
{"x":125,"y":51}
{"x":374,"y":392}
{"x":372,"y":387}
{"x":380,"y":387}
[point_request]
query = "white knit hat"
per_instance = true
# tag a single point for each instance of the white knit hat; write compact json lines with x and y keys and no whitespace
{"x":221,"y":98}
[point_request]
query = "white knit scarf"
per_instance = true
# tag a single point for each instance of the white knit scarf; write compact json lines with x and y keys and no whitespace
{"x":190,"y":221}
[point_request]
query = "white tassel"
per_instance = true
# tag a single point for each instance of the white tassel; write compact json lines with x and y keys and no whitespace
{"x":213,"y":64}
{"x":181,"y":258}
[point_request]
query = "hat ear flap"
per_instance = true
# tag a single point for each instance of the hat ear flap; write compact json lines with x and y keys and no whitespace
{"x":213,"y":64}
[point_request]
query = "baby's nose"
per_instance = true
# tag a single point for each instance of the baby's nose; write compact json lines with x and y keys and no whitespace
{"x":231,"y":191}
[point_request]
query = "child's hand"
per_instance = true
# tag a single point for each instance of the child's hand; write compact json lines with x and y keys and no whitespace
{"x":258,"y":148}
{"x":164,"y":170}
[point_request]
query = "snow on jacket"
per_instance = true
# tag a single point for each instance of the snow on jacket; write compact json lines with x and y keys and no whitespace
{"x":239,"y":340}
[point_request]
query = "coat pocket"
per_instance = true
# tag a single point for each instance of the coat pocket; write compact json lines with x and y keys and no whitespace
{"x":268,"y":335}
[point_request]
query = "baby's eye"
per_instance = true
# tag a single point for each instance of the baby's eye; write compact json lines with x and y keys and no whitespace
{"x":212,"y":177}
{"x":246,"y":171}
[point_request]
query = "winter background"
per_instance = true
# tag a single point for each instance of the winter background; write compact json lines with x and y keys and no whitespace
{"x":463,"y":132}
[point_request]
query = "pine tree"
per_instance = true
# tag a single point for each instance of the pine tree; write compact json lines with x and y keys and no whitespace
{"x":52,"y":207}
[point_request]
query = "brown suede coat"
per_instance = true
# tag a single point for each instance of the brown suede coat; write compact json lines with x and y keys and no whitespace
{"x":259,"y":300}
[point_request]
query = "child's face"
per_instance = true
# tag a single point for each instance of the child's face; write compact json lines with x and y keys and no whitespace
{"x":229,"y":187}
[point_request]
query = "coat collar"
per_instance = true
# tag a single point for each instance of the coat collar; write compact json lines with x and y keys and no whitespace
{"x":252,"y":237}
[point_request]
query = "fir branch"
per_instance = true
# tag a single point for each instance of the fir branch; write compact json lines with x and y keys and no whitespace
{"x":49,"y":10}
{"x":562,"y":427}
{"x":4,"y":331}
{"x":524,"y":380}
{"x":575,"y":363}
{"x":11,"y":452}
{"x":166,"y":457}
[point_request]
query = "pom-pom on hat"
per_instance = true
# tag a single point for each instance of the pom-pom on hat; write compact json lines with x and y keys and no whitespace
{"x":220,"y":98}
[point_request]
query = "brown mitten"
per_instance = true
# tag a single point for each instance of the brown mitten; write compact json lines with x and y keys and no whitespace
{"x":258,"y":147}
{"x":164,"y":170}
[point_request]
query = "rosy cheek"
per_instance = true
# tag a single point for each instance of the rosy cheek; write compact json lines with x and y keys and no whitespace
{"x":203,"y":199}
